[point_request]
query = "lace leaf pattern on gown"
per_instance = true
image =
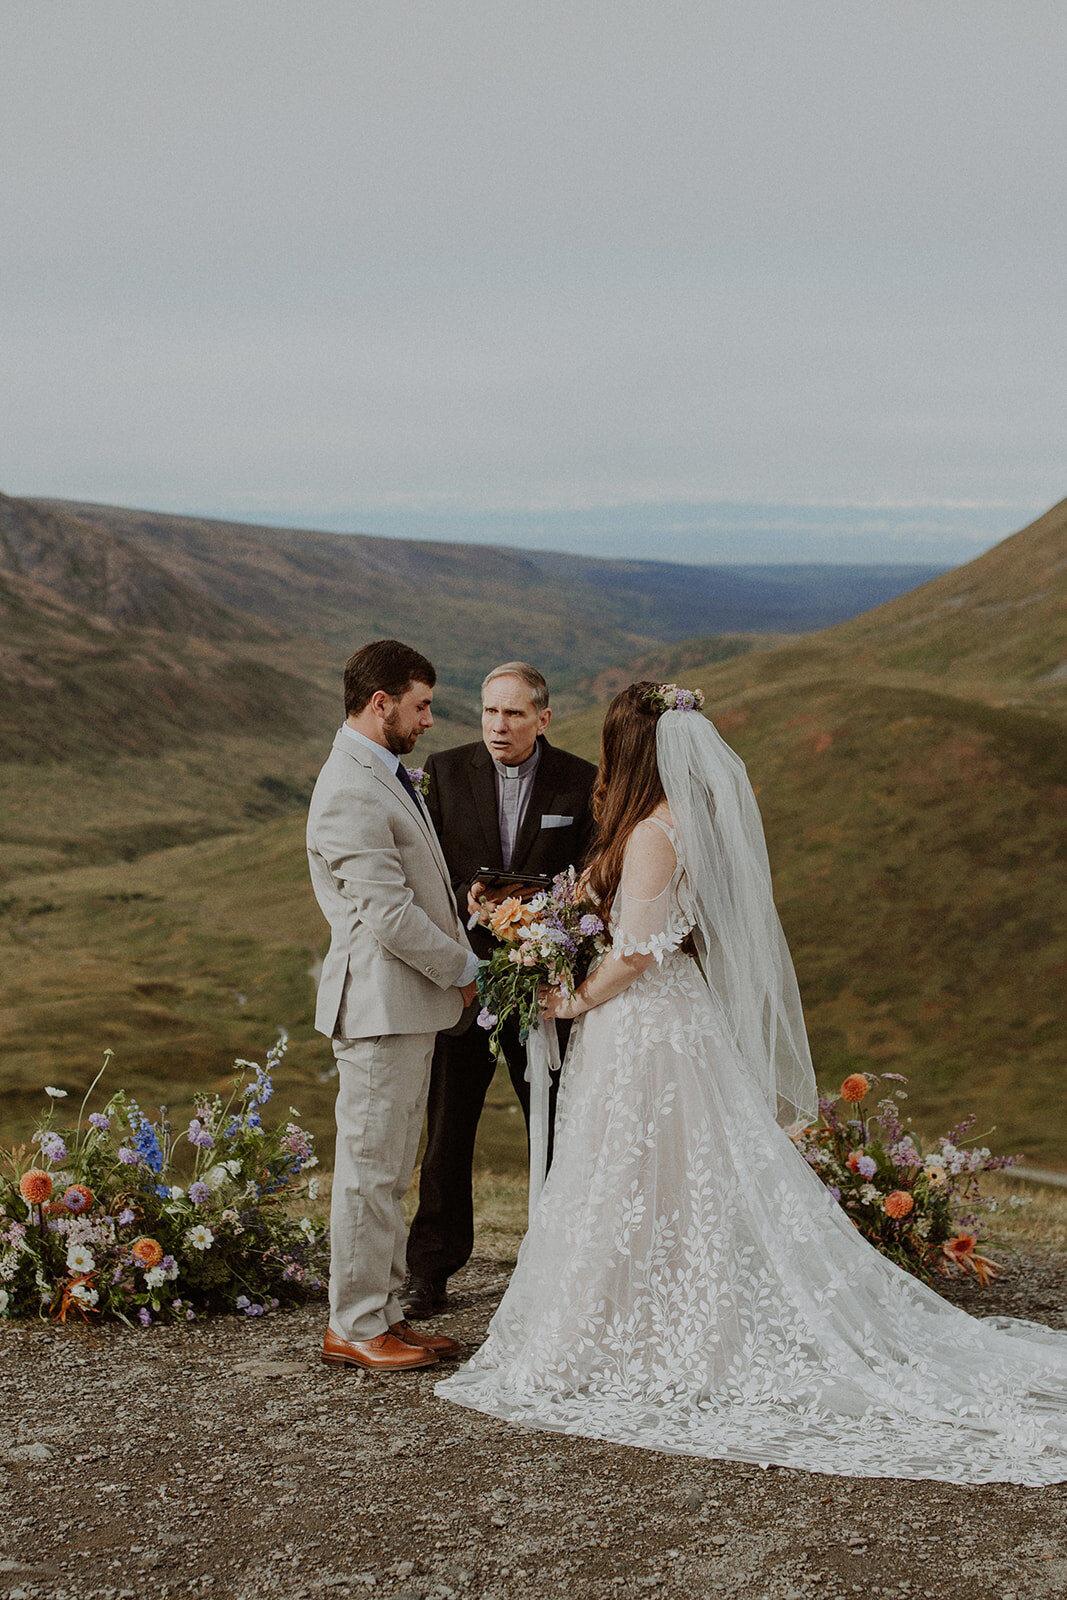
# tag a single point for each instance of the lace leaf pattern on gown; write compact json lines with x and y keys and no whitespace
{"x":689,"y":1285}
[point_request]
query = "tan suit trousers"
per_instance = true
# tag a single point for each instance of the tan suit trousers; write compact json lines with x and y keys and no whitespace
{"x":381,"y":1099}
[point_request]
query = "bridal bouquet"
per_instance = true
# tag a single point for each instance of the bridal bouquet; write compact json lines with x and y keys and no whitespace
{"x":918,"y":1207}
{"x":553,"y":938}
{"x":94,"y":1222}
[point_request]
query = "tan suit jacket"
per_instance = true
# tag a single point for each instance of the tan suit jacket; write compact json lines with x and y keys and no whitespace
{"x":397,"y":946}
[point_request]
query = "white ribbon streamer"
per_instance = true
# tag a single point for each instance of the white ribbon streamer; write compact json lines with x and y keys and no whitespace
{"x":542,"y":1059}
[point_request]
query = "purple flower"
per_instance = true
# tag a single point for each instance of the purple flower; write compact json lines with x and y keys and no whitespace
{"x":98,"y":1120}
{"x":296,"y":1142}
{"x":831,"y":1188}
{"x":684,"y":700}
{"x":589,"y":925}
{"x":199,"y":1135}
{"x":242,"y":1302}
{"x":127,"y":1156}
{"x":866,"y":1166}
{"x":52,"y":1147}
{"x":145,"y":1316}
{"x":486,"y":1019}
{"x":199,"y":1192}
{"x":125,"y":1217}
{"x":254,"y":1311}
{"x":190,"y":1316}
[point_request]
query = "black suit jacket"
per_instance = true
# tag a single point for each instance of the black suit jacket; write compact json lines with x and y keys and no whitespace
{"x":462,"y":801}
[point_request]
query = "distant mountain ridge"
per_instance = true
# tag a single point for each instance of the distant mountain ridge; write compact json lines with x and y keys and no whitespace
{"x":570,"y":614}
{"x":106,"y":577}
{"x":215,"y":649}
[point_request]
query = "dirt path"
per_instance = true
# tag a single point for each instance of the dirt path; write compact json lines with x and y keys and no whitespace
{"x":224,"y":1459}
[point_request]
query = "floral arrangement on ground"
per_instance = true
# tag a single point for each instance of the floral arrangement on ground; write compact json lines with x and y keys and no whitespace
{"x":93,"y":1221}
{"x":921,"y":1208}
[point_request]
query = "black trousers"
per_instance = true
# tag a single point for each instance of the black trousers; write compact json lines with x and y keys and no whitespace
{"x":442,"y":1234}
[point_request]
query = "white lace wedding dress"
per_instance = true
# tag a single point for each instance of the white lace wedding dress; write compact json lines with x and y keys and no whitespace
{"x":688,"y":1284}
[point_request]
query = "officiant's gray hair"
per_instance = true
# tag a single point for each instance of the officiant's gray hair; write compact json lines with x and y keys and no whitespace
{"x":530,"y":676}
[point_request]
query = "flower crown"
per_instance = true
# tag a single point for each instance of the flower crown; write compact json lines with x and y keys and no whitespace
{"x":668,"y":697}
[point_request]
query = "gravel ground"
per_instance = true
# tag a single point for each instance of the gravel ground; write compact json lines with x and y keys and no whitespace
{"x":224,"y":1459}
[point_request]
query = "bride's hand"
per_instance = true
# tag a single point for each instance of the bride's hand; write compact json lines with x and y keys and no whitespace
{"x":556,"y":1006}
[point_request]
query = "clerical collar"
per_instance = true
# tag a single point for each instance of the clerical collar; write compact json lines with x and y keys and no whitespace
{"x":522,"y":771}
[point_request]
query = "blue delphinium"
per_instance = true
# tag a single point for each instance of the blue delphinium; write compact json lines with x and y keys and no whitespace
{"x":145,"y":1140}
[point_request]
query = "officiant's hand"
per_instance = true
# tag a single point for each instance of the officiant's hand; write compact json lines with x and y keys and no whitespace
{"x":482,"y":902}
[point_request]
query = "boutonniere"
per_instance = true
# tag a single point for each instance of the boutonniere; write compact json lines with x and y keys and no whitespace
{"x":420,"y":781}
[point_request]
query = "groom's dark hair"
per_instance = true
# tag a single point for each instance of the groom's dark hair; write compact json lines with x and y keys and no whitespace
{"x":384,"y":664}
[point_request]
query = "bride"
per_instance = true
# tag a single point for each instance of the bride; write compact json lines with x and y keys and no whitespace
{"x":688,"y":1284}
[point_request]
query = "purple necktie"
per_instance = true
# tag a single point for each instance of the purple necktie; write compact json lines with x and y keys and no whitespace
{"x":402,"y":774}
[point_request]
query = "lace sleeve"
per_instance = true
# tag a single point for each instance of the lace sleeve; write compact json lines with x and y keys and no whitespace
{"x":648,"y":917}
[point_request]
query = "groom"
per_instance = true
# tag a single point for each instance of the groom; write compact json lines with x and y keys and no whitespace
{"x":399,"y":968}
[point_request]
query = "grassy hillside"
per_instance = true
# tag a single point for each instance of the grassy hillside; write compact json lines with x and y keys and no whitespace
{"x":910,"y":766}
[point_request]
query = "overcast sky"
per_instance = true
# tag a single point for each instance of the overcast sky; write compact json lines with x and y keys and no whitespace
{"x":699,"y":279}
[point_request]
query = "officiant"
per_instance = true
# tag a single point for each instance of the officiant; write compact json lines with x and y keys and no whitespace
{"x":509,"y":802}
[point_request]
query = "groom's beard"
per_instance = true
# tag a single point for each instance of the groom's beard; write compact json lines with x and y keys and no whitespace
{"x":401,"y":743}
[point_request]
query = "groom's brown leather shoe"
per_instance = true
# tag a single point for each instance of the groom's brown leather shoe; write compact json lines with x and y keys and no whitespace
{"x":386,"y":1353}
{"x":442,"y":1346}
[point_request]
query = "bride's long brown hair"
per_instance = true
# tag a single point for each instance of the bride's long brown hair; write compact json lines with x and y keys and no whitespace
{"x":628,"y":787}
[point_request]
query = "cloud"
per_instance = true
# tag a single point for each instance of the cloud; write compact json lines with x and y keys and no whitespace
{"x":476,"y":256}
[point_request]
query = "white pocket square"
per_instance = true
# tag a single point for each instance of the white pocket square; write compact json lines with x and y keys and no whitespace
{"x":549,"y":820}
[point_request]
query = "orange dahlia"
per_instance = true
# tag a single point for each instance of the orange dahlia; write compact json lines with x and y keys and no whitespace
{"x":855,"y":1087}
{"x":148,"y":1253}
{"x":961,"y":1252}
{"x":509,"y":916}
{"x":78,"y":1197}
{"x":35,"y":1186}
{"x":898,"y":1204}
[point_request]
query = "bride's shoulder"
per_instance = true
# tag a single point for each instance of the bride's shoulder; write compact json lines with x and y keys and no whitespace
{"x":650,"y":857}
{"x":658,"y":822}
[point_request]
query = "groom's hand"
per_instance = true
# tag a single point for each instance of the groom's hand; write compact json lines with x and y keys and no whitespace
{"x":469,"y":992}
